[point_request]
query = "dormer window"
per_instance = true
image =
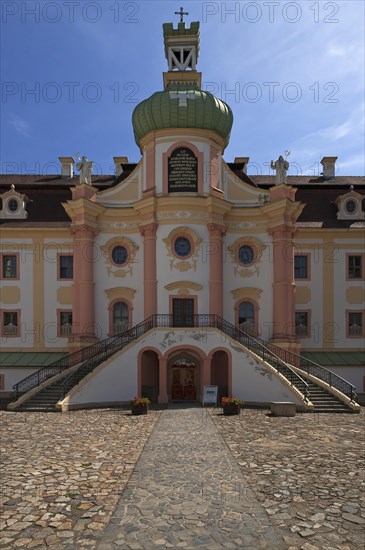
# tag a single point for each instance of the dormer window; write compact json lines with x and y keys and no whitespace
{"x":350,"y":206}
{"x":13,"y":205}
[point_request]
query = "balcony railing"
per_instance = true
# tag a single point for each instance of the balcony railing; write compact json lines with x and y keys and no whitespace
{"x":355,"y":330}
{"x":66,"y":330}
{"x":10,"y":330}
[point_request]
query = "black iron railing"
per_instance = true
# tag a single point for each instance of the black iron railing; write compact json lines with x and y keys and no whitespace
{"x":310,"y":367}
{"x":91,"y":356}
{"x":108,"y":348}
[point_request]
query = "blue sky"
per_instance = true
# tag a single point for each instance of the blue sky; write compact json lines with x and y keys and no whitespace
{"x":73,"y":71}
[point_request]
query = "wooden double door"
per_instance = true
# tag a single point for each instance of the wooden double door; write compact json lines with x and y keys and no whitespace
{"x":183,"y":383}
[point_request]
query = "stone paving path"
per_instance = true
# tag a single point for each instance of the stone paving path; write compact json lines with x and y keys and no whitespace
{"x":188,"y":492}
{"x":180,"y":478}
{"x":308,"y":472}
{"x":62,"y":474}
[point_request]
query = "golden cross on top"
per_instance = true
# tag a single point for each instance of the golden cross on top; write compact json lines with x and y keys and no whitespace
{"x":181,"y":13}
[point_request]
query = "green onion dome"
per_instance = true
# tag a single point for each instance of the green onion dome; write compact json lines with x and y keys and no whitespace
{"x":182,"y":105}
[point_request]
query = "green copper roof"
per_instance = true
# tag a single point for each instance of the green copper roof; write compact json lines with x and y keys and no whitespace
{"x":182,"y":105}
{"x":29,"y":358}
{"x":336,"y":358}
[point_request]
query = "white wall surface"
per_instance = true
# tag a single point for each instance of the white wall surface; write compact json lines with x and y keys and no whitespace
{"x":25,"y":285}
{"x":116,"y":380}
{"x":53,"y":247}
{"x":354,"y":375}
{"x":13,"y":375}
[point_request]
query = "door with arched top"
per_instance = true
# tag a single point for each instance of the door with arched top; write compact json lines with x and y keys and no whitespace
{"x":150,"y":375}
{"x":219,"y":372}
{"x":183,"y":380}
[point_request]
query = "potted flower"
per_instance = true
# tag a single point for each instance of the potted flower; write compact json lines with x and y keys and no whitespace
{"x":231,"y":405}
{"x":139,"y":405}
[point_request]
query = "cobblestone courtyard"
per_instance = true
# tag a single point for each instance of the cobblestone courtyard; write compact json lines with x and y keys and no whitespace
{"x":79,"y":480}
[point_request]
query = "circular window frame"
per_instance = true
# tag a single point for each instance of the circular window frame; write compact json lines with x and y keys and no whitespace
{"x":350,"y":200}
{"x":111,"y":255}
{"x":254,"y":250}
{"x":192,"y":246}
{"x":11,"y":199}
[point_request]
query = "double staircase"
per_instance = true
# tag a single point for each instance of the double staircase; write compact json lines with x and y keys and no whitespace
{"x":304,"y":375}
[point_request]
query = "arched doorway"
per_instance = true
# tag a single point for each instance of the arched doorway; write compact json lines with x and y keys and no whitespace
{"x":150,"y":375}
{"x":184,"y":377}
{"x":219,"y":372}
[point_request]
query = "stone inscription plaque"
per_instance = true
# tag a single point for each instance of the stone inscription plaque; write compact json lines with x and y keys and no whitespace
{"x":182,"y":171}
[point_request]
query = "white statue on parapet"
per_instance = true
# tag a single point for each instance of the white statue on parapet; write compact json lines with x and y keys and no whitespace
{"x":85,"y":167}
{"x":281,"y":166}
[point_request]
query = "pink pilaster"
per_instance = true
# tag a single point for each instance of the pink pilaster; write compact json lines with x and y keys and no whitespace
{"x":83,"y":314}
{"x":149,"y":269}
{"x":206,"y":374}
{"x":283,"y":288}
{"x":162,"y":393}
{"x":216,"y":269}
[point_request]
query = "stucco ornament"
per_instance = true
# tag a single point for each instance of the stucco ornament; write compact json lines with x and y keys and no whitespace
{"x":281,"y":166}
{"x":85,"y":167}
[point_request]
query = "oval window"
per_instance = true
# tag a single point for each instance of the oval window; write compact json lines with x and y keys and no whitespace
{"x":120,"y":255}
{"x":350,"y":206}
{"x":246,"y":255}
{"x":13,"y":205}
{"x":182,"y":247}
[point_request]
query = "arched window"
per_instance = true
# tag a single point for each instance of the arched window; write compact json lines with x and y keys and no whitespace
{"x":120,"y":317}
{"x":246,"y":317}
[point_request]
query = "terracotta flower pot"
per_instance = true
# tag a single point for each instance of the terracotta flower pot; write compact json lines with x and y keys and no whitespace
{"x":231,"y":408}
{"x":139,"y":409}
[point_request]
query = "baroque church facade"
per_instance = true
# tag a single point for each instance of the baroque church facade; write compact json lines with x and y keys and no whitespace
{"x":182,"y":271}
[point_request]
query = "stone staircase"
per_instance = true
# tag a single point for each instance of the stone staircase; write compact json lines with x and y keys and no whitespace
{"x":324,"y":401}
{"x":47,"y":397}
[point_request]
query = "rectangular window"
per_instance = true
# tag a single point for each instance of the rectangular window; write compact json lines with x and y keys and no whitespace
{"x":302,"y":324}
{"x":66,"y":266}
{"x":355,"y":324}
{"x":10,"y":323}
{"x":301,"y":266}
{"x":354,"y":267}
{"x":9,"y":266}
{"x":65,"y":323}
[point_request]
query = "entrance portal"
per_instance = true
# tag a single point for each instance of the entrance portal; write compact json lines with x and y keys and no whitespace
{"x":183,"y":380}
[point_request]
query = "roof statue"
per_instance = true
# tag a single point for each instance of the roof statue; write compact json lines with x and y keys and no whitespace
{"x":86,"y":168}
{"x":281,"y":166}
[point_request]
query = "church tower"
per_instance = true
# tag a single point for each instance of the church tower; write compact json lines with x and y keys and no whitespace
{"x":186,"y":114}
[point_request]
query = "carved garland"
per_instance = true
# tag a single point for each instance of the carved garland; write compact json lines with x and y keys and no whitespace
{"x":258,"y":248}
{"x":107,"y":249}
{"x":177,"y":263}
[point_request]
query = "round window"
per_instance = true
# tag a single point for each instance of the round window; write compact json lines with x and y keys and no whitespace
{"x":13,"y":205}
{"x":182,"y":247}
{"x":120,"y":255}
{"x":246,"y":254}
{"x":350,"y":206}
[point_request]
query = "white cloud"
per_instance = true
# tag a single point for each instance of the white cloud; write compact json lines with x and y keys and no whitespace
{"x":21,"y":126}
{"x":353,"y":162}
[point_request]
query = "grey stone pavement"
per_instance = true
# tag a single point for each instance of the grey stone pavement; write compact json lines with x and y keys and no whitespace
{"x":187,"y":491}
{"x":182,"y":478}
